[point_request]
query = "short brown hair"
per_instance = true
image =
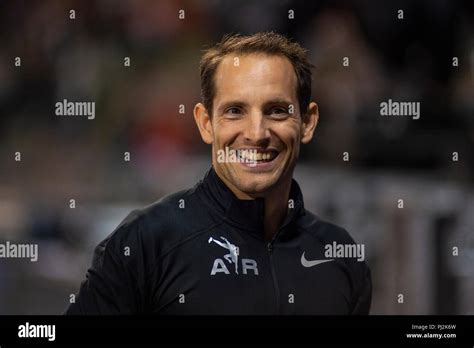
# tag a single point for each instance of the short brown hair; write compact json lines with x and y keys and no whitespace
{"x":264,"y":42}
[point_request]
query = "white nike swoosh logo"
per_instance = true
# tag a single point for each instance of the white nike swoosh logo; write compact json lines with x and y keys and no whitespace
{"x":307,"y":263}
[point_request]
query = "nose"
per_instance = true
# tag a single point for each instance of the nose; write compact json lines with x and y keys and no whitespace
{"x":256,"y":129}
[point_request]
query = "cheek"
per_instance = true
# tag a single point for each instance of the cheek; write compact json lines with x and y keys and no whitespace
{"x":225,"y":133}
{"x":289,"y":134}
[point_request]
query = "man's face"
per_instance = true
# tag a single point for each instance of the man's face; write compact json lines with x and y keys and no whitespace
{"x":256,"y":108}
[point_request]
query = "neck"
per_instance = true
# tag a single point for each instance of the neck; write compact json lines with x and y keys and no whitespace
{"x":276,"y":204}
{"x":276,"y":207}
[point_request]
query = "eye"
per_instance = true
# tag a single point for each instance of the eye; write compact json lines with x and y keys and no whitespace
{"x":279,"y":110}
{"x":233,"y":111}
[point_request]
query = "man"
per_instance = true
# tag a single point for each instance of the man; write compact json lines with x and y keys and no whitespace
{"x":240,"y":241}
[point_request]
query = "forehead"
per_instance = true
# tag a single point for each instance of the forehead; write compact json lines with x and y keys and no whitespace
{"x":255,"y":77}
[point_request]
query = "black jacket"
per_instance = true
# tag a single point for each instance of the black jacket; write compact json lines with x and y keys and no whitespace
{"x":201,"y":251}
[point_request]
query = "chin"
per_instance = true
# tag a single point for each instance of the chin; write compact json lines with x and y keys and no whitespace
{"x":255,"y":184}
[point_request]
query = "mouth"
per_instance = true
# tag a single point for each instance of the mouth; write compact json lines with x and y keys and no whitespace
{"x":255,"y":155}
{"x":257,"y":159}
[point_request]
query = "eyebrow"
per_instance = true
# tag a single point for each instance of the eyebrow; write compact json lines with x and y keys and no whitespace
{"x":276,"y":101}
{"x":232,"y":103}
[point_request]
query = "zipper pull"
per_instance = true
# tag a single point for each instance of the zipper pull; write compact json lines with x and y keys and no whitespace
{"x":270,"y":246}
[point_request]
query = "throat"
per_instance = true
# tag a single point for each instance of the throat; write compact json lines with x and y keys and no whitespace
{"x":276,"y":208}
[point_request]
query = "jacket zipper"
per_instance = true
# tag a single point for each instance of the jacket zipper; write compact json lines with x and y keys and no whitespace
{"x":275,"y":282}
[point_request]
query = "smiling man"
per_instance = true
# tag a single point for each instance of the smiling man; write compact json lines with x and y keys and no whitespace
{"x":240,"y":241}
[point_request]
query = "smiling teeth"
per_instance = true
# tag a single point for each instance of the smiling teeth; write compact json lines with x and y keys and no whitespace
{"x":255,"y":156}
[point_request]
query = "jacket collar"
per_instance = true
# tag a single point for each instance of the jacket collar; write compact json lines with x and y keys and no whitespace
{"x":247,"y":214}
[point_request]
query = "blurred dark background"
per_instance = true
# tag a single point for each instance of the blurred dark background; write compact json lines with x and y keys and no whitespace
{"x":137,"y":111}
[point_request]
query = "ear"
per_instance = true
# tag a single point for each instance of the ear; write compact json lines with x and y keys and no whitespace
{"x":310,"y":121}
{"x":203,"y":121}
